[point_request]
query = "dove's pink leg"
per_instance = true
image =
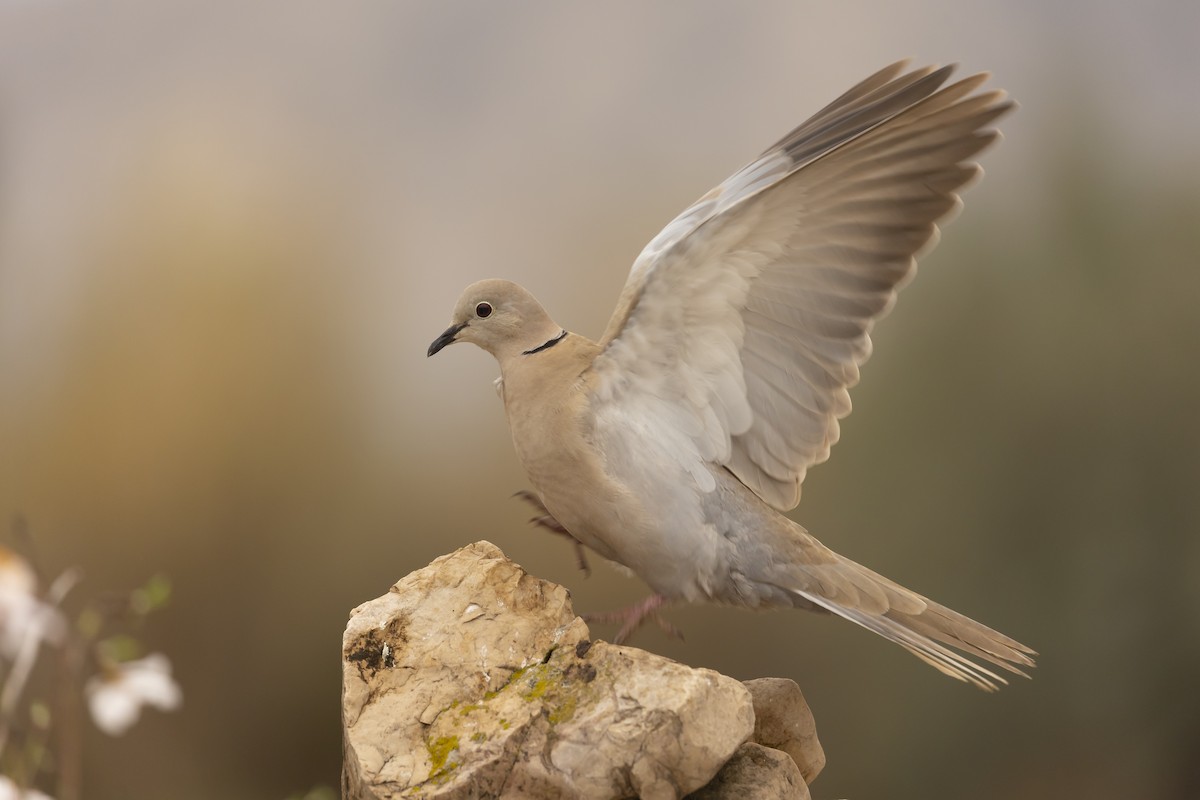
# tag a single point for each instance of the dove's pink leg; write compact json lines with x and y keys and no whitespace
{"x":633,"y":617}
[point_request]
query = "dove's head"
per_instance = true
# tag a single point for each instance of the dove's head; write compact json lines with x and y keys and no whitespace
{"x":499,"y":316}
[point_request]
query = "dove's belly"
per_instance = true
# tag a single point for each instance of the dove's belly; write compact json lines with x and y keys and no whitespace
{"x":675,"y":554}
{"x":622,"y":495}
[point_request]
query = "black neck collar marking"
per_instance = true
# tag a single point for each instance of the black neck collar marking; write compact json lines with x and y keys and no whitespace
{"x":547,"y":345}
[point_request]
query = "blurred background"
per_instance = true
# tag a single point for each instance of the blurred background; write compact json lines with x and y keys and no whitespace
{"x":228,"y":232}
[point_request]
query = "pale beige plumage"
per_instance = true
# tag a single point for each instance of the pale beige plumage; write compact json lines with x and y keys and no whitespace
{"x":667,"y":445}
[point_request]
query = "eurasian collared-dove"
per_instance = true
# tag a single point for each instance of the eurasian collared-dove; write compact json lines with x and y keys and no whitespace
{"x":671,"y":445}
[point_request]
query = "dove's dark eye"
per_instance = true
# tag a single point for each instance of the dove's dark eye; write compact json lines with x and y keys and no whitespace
{"x":483,"y":310}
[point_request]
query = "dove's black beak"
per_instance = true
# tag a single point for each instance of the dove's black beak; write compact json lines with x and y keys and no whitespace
{"x":445,"y":339}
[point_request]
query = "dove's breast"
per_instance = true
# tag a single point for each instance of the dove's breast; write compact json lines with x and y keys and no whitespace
{"x":613,"y":486}
{"x":546,"y":416}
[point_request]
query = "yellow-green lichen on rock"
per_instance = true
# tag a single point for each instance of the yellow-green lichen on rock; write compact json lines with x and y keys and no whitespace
{"x":545,"y":689}
{"x":440,"y":750}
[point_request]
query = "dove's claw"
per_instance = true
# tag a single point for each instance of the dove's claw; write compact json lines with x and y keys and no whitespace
{"x":547,"y":521}
{"x":634,"y":616}
{"x":581,"y":560}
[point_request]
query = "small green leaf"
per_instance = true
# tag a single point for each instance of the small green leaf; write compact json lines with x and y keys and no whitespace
{"x":120,"y":647}
{"x":151,"y":597}
{"x":89,"y":623}
{"x":39,"y":714}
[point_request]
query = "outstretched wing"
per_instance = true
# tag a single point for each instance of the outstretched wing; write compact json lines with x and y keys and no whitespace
{"x":744,"y":322}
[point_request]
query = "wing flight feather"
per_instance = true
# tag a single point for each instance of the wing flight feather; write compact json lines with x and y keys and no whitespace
{"x":751,"y":311}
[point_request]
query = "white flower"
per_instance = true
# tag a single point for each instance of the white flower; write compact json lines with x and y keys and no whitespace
{"x":10,"y":791}
{"x":116,"y":697}
{"x":22,"y":614}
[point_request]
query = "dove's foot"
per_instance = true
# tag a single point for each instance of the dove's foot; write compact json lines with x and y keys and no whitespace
{"x":547,"y":521}
{"x":634,"y":616}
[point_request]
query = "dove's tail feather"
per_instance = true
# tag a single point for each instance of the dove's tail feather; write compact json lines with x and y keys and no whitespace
{"x":919,"y":625}
{"x":773,"y":561}
{"x":924,"y":640}
{"x":936,"y":635}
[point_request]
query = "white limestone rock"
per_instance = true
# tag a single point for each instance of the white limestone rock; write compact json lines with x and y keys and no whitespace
{"x":473,"y":679}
